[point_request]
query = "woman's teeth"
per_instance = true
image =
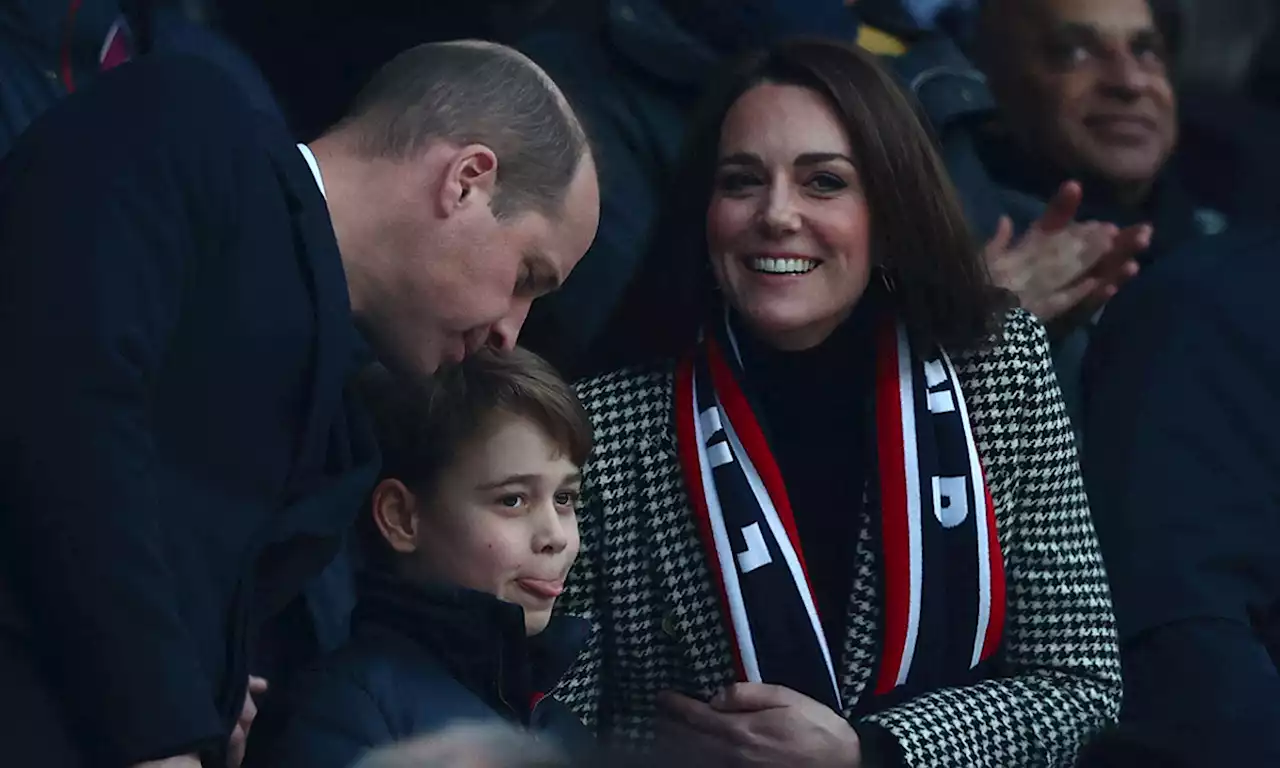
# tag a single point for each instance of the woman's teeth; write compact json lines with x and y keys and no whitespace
{"x":783,"y":266}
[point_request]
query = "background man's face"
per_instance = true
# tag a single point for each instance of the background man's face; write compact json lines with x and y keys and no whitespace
{"x":1089,"y":87}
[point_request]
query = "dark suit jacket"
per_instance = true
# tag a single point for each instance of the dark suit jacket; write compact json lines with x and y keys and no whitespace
{"x":1183,"y":470}
{"x":177,"y":451}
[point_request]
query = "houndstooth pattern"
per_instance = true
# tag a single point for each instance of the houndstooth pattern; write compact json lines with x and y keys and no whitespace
{"x":643,"y":579}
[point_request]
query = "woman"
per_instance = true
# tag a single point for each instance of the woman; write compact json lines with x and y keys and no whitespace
{"x":848,"y":485}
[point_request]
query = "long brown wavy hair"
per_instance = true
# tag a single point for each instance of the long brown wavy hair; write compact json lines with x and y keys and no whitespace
{"x":920,"y":240}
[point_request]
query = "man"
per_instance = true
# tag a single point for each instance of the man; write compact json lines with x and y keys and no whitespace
{"x":183,"y":296}
{"x":50,"y":50}
{"x":1085,"y":91}
{"x":1086,"y":97}
{"x":1183,"y":472}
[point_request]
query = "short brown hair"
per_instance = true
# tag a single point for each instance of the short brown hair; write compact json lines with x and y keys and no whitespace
{"x":421,"y":425}
{"x":920,"y":239}
{"x":472,"y":92}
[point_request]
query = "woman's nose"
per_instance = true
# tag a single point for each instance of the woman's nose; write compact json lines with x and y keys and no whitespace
{"x":780,"y":216}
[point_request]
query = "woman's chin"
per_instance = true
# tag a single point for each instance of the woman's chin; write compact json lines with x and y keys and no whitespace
{"x":787,"y":328}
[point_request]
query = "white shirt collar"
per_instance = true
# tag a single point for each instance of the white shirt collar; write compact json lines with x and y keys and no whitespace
{"x":310,"y":157}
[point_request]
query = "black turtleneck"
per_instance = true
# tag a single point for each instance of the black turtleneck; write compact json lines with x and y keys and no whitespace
{"x":816,"y":408}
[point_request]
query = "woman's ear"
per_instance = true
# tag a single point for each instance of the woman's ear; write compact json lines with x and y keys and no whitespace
{"x":395,"y":512}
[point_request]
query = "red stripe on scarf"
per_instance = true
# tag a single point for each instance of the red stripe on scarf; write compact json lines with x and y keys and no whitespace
{"x":893,"y":508}
{"x":995,"y":626}
{"x":739,"y":413}
{"x":687,"y":446}
{"x":68,"y":43}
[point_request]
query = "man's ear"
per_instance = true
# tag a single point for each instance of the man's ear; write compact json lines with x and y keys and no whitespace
{"x":471,"y":178}
{"x":395,"y":512}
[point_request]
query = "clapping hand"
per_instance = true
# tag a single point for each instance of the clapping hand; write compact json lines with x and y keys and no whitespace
{"x":1062,"y":270}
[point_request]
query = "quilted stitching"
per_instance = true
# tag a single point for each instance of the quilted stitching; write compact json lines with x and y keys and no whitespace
{"x":643,"y":580}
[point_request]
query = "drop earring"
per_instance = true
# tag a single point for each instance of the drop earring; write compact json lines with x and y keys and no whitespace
{"x":886,"y":278}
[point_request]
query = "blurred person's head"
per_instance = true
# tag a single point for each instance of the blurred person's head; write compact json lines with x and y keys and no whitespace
{"x":1086,"y":84}
{"x":469,"y":746}
{"x":807,"y":171}
{"x":1221,"y":41}
{"x":733,"y":27}
{"x":481,"y":477}
{"x":461,"y":187}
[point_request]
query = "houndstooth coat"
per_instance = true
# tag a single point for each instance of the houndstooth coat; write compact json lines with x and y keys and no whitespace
{"x":642,"y":577}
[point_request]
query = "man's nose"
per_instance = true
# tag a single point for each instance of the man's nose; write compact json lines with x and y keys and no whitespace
{"x":1124,"y":77}
{"x":506,"y":332}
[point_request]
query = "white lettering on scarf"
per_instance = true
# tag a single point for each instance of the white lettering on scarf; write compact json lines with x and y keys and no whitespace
{"x":757,"y":552}
{"x":719,"y":453}
{"x":950,"y":500}
{"x":940,"y":400}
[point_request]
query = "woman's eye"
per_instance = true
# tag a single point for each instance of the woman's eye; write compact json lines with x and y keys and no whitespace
{"x":511,"y":501}
{"x":737,"y":182}
{"x":827,"y":182}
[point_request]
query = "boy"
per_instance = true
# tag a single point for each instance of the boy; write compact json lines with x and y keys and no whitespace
{"x":472,"y":530}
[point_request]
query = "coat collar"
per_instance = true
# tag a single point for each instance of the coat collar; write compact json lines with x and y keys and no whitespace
{"x":324,"y":467}
{"x":479,"y":639}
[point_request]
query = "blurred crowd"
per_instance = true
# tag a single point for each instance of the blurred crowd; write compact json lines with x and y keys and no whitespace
{"x":608,"y":382}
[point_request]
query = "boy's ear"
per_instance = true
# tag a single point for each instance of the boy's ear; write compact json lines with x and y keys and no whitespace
{"x":395,"y":512}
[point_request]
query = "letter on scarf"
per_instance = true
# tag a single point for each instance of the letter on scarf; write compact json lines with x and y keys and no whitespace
{"x":950,"y":500}
{"x":757,"y":552}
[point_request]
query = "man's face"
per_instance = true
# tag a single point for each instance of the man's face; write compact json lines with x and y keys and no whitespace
{"x":471,"y":282}
{"x":1089,"y":87}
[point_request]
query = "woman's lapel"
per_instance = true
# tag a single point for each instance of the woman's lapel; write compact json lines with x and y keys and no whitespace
{"x":689,"y":610}
{"x":859,"y":658}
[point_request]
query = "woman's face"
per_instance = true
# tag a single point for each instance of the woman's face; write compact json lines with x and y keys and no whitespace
{"x":787,"y":227}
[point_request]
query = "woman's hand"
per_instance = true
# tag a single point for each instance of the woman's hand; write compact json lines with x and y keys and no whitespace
{"x":752,"y":724}
{"x":240,"y":736}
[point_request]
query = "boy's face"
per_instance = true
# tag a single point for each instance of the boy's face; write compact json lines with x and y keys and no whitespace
{"x":503,"y":518}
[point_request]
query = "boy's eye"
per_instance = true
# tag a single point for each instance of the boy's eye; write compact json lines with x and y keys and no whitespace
{"x":568,"y":499}
{"x":511,"y":501}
